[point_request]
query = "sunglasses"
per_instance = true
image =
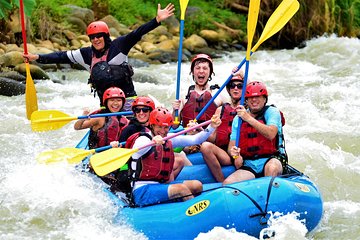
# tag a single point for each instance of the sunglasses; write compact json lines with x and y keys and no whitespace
{"x":233,"y":85}
{"x":97,"y":35}
{"x":143,"y":109}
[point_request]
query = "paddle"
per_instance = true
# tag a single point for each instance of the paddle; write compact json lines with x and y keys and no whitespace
{"x":277,"y":20}
{"x":112,"y":159}
{"x":71,"y":155}
{"x":30,"y":91}
{"x":183,"y":6}
{"x":251,"y":27}
{"x":46,"y":120}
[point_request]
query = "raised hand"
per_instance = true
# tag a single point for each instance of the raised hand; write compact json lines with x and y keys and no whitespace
{"x":163,"y":14}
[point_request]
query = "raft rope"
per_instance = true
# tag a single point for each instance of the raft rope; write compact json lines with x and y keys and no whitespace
{"x":263,"y":213}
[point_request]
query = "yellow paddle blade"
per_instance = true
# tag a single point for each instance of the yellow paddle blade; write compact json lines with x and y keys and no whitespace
{"x":183,"y":6}
{"x":283,"y":13}
{"x":111,"y":160}
{"x":71,"y":155}
{"x":46,"y":120}
{"x":30,"y":93}
{"x":251,"y":23}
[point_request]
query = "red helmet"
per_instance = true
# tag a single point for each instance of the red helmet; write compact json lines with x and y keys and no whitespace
{"x":161,"y":116}
{"x":254,"y":89}
{"x":234,"y":78}
{"x":237,"y":78}
{"x":206,"y":58}
{"x":97,"y":27}
{"x":143,"y":101}
{"x":113,"y":92}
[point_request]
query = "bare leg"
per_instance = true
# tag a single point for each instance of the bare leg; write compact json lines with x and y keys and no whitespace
{"x":273,"y":168}
{"x":215,"y":157}
{"x":178,"y":166}
{"x":238,"y":176}
{"x":195,"y":186}
{"x":185,"y":190}
{"x":186,"y":160}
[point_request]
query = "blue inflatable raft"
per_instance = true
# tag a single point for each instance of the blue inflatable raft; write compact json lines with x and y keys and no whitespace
{"x":245,"y":206}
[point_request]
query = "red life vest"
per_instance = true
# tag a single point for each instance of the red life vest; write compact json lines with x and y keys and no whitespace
{"x":156,"y":165}
{"x":111,"y":131}
{"x":253,"y":144}
{"x":95,"y":60}
{"x":195,"y":103}
{"x":224,"y":130}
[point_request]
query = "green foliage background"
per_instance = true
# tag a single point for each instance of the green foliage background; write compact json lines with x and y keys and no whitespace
{"x":314,"y":18}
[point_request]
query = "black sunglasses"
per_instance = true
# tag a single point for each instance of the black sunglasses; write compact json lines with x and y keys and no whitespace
{"x":96,"y":35}
{"x":143,"y":109}
{"x":233,"y":85}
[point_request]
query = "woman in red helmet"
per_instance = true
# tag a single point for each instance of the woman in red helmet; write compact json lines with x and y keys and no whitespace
{"x":142,"y":106}
{"x":106,"y":60}
{"x":151,"y":168}
{"x":105,"y":130}
{"x":261,"y":150}
{"x":214,"y":150}
{"x":199,"y":94}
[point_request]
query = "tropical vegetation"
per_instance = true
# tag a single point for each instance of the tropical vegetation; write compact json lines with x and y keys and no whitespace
{"x":314,"y":18}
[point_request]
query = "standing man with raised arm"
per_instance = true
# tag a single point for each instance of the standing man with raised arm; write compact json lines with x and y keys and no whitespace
{"x":106,"y":60}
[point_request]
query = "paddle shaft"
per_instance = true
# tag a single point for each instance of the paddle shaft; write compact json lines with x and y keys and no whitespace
{"x":242,"y":100}
{"x":100,"y":149}
{"x":66,"y":119}
{"x":183,"y":6}
{"x":217,"y":92}
{"x":30,"y":91}
{"x":112,"y":159}
{"x":277,"y":20}
{"x":105,"y":115}
{"x":178,"y":133}
{"x":251,"y":26}
{"x":176,"y":121}
{"x":22,"y":16}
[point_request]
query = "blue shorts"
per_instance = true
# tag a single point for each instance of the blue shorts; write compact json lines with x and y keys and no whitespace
{"x":151,"y":194}
{"x":257,"y":166}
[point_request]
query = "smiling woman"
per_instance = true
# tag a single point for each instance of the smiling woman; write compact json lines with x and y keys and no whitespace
{"x":142,"y":106}
{"x":105,"y":130}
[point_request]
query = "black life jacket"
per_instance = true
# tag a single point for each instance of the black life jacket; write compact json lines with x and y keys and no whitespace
{"x":104,"y":76}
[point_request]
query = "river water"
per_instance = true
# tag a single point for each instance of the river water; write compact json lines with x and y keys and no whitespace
{"x":317,"y":88}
